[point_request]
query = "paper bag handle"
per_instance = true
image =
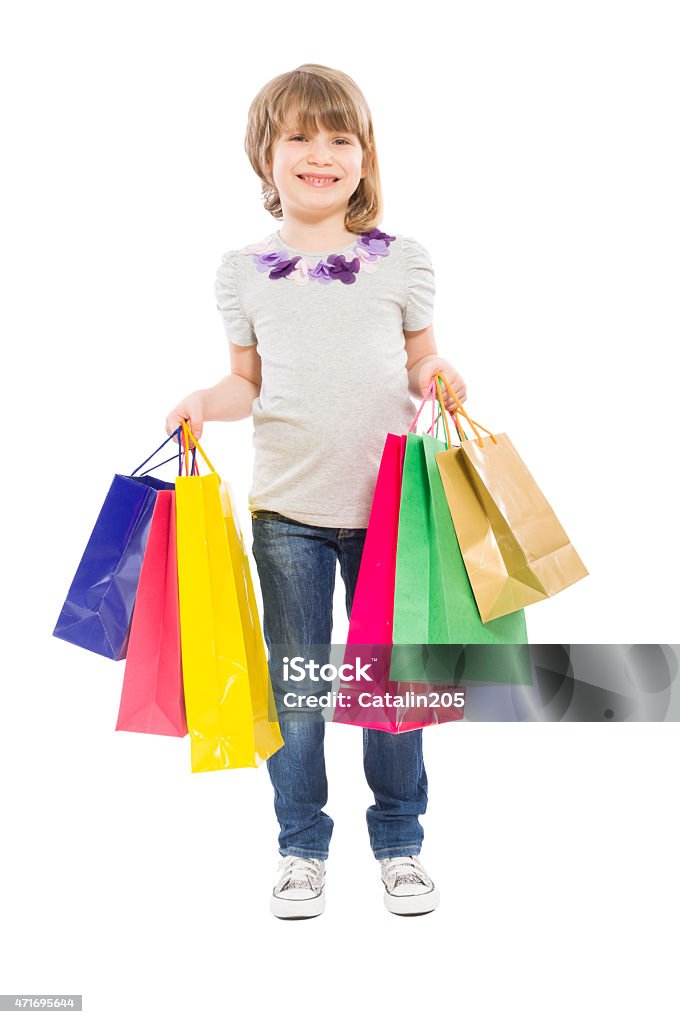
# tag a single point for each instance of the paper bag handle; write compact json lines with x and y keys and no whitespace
{"x":150,"y":469}
{"x":460,"y":410}
{"x":187,"y":430}
{"x":430,"y":393}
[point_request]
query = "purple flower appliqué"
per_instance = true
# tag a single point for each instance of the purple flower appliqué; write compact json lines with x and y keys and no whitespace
{"x":376,"y":242}
{"x":279,"y":264}
{"x":336,"y":268}
{"x":369,"y":249}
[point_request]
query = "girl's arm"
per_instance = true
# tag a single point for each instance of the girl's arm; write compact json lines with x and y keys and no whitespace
{"x":230,"y":399}
{"x":423,"y":361}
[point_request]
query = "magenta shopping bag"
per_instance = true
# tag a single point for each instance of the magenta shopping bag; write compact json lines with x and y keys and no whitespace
{"x":371,"y":618}
{"x":152,"y":697}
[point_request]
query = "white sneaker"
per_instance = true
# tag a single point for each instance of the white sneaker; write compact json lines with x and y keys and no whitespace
{"x":408,"y":887}
{"x":299,"y":892}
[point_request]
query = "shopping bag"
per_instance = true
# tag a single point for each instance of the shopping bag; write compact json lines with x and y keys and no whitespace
{"x":438,"y":633}
{"x":227,"y":690}
{"x":266,"y":731}
{"x":390,"y":705}
{"x":515,"y":550}
{"x":98,"y":608}
{"x":373,"y":602}
{"x":369,"y":636}
{"x":152,"y":697}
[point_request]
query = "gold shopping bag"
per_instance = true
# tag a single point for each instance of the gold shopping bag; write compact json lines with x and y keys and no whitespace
{"x":515,"y":550}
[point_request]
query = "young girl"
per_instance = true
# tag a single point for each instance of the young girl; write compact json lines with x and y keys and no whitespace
{"x":329,"y":322}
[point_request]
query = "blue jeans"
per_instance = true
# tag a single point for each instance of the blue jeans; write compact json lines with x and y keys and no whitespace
{"x":296,"y":565}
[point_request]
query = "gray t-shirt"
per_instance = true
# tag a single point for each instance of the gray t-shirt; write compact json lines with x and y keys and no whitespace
{"x":329,"y":331}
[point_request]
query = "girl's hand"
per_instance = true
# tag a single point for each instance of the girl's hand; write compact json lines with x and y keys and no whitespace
{"x":189,"y":410}
{"x":436,"y":365}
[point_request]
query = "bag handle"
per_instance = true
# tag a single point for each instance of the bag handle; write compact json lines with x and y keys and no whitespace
{"x":184,"y":452}
{"x":430,"y":393}
{"x":459,"y":410}
{"x":168,"y":438}
{"x":187,"y":430}
{"x":150,"y":469}
{"x":179,"y":454}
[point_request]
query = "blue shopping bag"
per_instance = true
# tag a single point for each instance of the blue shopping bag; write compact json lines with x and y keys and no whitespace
{"x":98,"y":609}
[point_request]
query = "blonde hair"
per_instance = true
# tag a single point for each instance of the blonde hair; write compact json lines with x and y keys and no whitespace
{"x":315,"y":96}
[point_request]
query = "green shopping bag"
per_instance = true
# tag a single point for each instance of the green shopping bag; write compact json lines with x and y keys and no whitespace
{"x":435,"y":612}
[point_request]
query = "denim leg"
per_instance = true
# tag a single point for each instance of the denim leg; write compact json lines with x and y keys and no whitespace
{"x":395,"y":771}
{"x":393,"y":762}
{"x":296,"y":569}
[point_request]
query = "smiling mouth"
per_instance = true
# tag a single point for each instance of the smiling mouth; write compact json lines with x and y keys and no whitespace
{"x":309,"y":179}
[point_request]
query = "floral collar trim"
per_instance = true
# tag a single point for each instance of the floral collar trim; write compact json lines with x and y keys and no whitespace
{"x":367,"y":252}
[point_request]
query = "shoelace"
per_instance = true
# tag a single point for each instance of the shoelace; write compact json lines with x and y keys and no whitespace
{"x":299,"y":873}
{"x":406,"y":871}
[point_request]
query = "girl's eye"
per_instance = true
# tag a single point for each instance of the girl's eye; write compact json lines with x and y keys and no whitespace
{"x":294,"y":137}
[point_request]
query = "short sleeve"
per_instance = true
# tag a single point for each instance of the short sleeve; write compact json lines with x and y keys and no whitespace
{"x":419,"y":305}
{"x":237,"y":326}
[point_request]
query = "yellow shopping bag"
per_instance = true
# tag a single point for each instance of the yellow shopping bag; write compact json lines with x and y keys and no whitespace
{"x":231,"y":714}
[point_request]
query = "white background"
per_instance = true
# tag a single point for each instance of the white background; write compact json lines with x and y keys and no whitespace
{"x":533,"y":148}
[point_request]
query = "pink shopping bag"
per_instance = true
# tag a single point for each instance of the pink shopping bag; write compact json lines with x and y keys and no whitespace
{"x":152,"y":698}
{"x":371,"y":618}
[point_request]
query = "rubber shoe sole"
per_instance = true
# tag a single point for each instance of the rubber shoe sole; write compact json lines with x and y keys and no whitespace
{"x":297,"y":910}
{"x":424,"y":903}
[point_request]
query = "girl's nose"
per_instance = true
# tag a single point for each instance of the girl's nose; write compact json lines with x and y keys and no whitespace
{"x":319,"y":153}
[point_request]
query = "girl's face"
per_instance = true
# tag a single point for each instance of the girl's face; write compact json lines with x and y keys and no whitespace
{"x":334,"y":155}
